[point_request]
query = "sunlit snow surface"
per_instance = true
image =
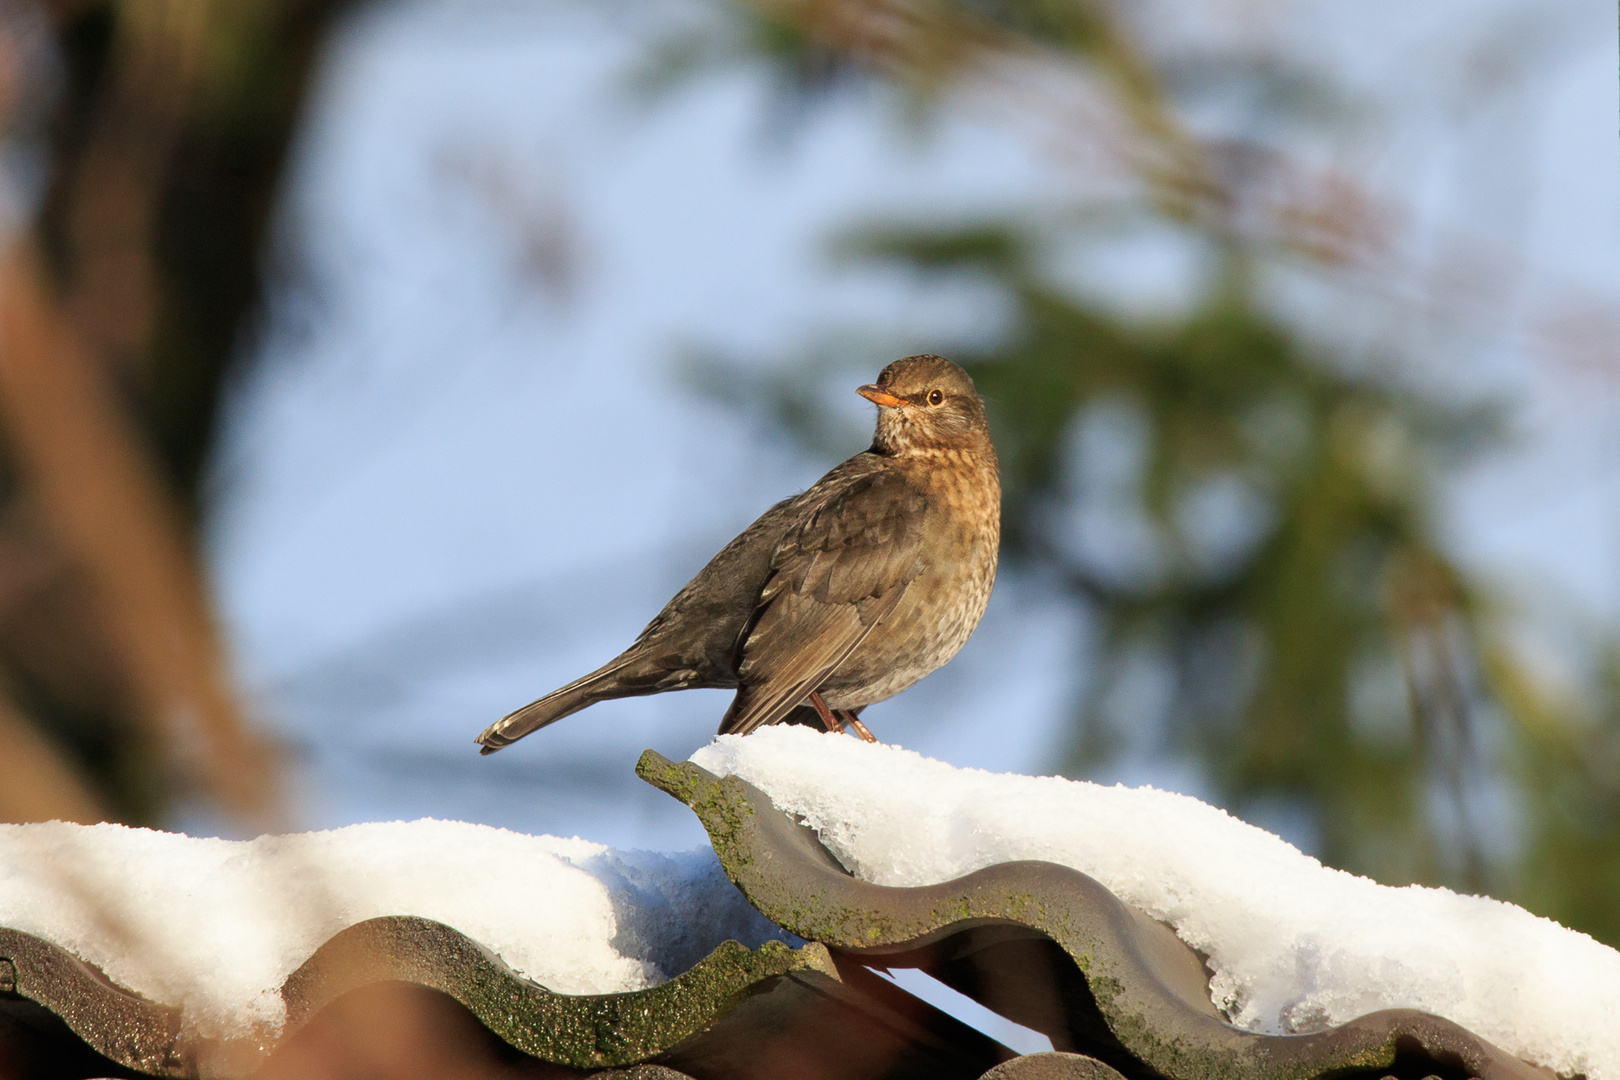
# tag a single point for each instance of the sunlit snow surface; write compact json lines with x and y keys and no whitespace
{"x":1295,"y":946}
{"x":216,"y":926}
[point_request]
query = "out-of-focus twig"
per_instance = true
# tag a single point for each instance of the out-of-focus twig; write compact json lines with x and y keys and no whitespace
{"x":1427,"y":607}
{"x":936,"y":45}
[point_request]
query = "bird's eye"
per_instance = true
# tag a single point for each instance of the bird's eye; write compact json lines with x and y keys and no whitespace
{"x":936,"y":397}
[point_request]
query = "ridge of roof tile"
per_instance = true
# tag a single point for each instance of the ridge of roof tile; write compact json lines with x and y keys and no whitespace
{"x":1118,"y":994}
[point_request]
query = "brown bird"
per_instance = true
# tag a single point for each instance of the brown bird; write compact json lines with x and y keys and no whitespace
{"x":837,"y":598}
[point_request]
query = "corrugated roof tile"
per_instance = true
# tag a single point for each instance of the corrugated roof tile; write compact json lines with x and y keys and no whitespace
{"x":1118,"y":994}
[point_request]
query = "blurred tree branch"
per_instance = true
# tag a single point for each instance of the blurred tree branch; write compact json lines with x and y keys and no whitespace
{"x":1283,"y":570}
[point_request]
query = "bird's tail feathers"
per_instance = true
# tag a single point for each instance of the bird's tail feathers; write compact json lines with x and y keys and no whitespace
{"x":603,"y":683}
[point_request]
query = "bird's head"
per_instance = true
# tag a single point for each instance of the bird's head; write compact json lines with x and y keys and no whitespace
{"x":926,"y":403}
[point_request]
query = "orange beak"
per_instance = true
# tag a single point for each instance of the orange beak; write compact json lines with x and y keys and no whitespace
{"x":880,"y":396}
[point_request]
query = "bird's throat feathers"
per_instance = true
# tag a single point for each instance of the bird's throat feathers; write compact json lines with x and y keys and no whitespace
{"x":911,"y":433}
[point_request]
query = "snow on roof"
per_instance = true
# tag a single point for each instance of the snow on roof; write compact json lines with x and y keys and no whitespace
{"x":216,"y":926}
{"x":1294,"y":945}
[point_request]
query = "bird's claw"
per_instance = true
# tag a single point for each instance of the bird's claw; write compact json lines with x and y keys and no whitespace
{"x":829,"y":719}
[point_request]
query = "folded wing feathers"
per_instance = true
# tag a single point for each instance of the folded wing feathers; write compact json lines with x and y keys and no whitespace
{"x":836,"y":631}
{"x":836,"y":575}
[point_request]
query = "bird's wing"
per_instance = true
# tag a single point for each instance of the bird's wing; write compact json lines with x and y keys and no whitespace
{"x":844,"y":565}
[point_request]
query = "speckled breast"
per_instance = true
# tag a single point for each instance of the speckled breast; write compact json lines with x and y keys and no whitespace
{"x":943,"y":604}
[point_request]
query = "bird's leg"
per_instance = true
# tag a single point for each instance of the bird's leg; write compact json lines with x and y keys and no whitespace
{"x":860,"y":729}
{"x":828,"y":717}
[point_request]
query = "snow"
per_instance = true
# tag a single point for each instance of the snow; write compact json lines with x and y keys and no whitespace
{"x":216,"y":926}
{"x":1294,"y":946}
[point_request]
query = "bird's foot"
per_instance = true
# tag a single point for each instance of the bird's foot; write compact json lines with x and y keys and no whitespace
{"x":829,"y":719}
{"x":835,"y":720}
{"x":860,"y":728}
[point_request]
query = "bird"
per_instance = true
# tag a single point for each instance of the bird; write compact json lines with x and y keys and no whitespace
{"x":838,"y":597}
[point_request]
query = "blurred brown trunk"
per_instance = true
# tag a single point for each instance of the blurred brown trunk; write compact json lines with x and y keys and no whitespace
{"x":113,"y":194}
{"x":37,"y":783}
{"x":80,"y":458}
{"x":166,"y":136}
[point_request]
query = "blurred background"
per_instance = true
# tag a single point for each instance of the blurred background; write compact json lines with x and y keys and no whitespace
{"x":369,"y":369}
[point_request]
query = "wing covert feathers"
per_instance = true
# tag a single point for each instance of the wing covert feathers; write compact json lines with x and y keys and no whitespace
{"x":842,"y":567}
